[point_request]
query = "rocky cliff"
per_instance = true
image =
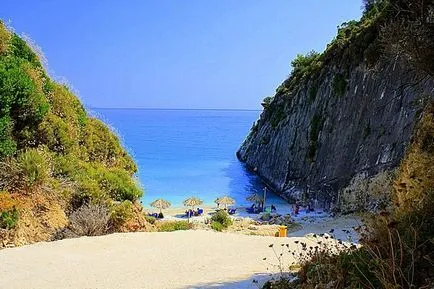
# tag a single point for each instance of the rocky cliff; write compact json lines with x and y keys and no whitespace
{"x":354,"y":115}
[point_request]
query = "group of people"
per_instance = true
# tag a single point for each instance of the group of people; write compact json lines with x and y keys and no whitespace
{"x":190,"y":213}
{"x":157,"y":215}
{"x":296,"y":208}
{"x":256,"y":209}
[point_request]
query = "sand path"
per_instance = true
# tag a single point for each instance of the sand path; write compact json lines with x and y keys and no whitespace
{"x":183,"y":259}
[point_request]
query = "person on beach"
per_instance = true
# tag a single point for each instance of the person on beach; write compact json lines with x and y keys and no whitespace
{"x":296,"y":208}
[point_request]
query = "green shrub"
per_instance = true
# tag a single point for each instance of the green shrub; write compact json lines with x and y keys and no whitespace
{"x":306,"y":65}
{"x":31,"y":170}
{"x":35,"y":166}
{"x":266,"y":101}
{"x":216,"y":226}
{"x":102,"y":145}
{"x":170,"y":226}
{"x":20,"y":49}
{"x":9,"y":219}
{"x":8,"y":146}
{"x":119,"y":185}
{"x":266,"y":217}
{"x":120,"y":214}
{"x":151,"y":220}
{"x":223,"y":218}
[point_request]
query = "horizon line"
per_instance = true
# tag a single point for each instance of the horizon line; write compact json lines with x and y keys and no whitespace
{"x":148,"y":108}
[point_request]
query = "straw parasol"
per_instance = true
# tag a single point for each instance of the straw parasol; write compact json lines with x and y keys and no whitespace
{"x":160,"y":204}
{"x":225,"y":201}
{"x":255,"y":198}
{"x":192,"y":202}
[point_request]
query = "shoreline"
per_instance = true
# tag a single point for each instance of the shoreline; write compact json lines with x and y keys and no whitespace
{"x":304,"y":223}
{"x":178,"y":212}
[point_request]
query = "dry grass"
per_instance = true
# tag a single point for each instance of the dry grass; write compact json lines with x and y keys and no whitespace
{"x":89,"y":220}
{"x":40,"y":216}
{"x":4,"y":39}
{"x":417,"y":170}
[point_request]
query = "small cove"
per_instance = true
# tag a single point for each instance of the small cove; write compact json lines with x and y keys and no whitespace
{"x":183,"y":153}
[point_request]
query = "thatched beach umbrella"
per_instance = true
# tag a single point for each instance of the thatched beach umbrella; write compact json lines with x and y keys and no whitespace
{"x":192,"y":202}
{"x":160,"y":204}
{"x":255,"y":198}
{"x":225,"y":201}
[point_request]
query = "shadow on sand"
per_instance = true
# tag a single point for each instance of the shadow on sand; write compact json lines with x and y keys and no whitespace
{"x":247,"y":283}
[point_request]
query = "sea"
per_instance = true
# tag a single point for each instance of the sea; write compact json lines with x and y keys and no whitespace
{"x":185,"y":153}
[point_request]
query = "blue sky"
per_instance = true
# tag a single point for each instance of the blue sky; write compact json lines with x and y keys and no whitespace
{"x":177,"y":53}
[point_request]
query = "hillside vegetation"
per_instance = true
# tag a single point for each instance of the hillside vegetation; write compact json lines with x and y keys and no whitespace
{"x":59,"y":167}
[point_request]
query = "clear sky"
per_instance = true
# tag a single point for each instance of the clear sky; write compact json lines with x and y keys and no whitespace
{"x":176,"y":53}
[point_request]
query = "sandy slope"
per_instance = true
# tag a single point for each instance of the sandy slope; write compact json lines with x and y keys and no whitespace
{"x":183,"y":259}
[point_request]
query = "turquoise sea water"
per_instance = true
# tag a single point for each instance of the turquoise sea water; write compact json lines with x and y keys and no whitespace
{"x":183,"y":153}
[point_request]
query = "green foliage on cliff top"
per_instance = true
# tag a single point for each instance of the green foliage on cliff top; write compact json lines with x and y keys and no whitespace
{"x":48,"y":142}
{"x":356,"y":41}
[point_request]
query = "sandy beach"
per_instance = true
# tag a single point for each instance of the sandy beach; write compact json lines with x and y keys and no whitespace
{"x":182,"y":259}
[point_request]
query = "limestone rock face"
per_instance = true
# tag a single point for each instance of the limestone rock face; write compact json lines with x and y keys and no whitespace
{"x":317,"y":137}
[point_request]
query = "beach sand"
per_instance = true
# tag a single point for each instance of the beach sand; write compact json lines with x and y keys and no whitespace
{"x":182,"y":259}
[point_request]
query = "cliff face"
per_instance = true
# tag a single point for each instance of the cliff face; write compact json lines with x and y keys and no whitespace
{"x":343,"y":123}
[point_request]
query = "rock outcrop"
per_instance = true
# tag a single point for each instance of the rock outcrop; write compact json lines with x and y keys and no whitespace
{"x":348,"y":120}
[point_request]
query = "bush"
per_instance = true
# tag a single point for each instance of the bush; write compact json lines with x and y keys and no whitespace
{"x":20,"y":49}
{"x":222,"y":218}
{"x":306,"y":65}
{"x":28,"y":172}
{"x":35,"y":167}
{"x":120,"y":214}
{"x":170,"y":226}
{"x":89,"y":220}
{"x":266,"y":101}
{"x":216,"y":226}
{"x":151,"y":220}
{"x":266,"y":217}
{"x":120,"y":185}
{"x":9,"y":219}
